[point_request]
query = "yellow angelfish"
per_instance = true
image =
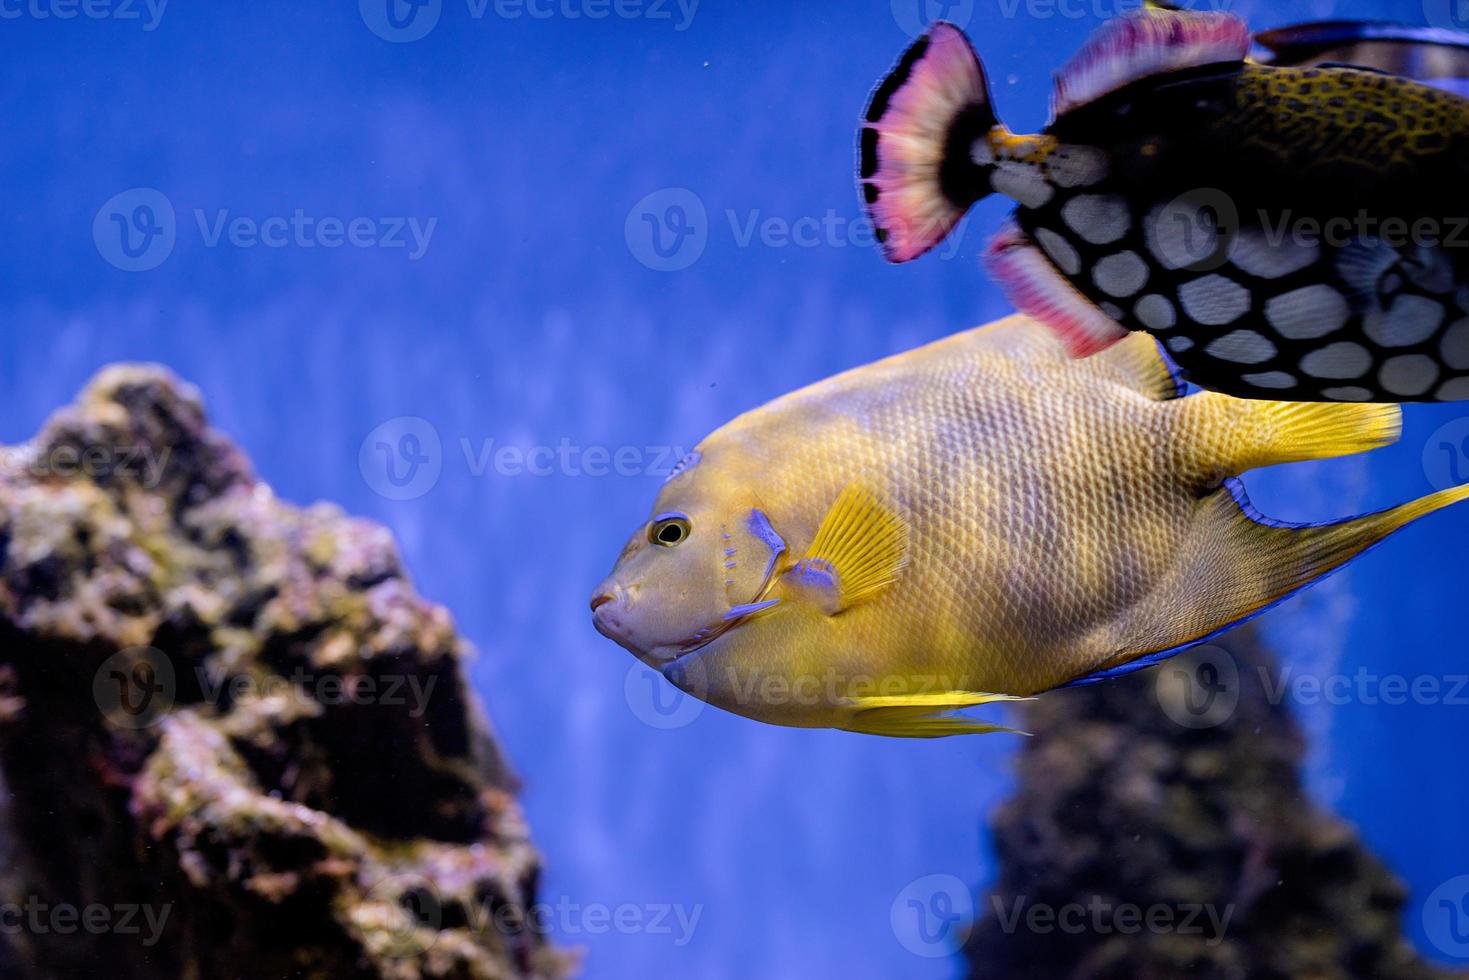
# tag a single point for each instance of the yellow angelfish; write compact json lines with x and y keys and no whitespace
{"x":977,"y":520}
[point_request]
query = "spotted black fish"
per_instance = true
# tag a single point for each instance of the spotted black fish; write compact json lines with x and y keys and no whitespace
{"x":1287,"y":233}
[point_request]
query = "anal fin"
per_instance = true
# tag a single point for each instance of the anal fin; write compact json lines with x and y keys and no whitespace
{"x":1039,"y":290}
{"x":924,"y":715}
{"x":1243,"y":564}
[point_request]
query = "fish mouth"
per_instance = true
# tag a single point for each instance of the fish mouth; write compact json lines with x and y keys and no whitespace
{"x":606,"y":622}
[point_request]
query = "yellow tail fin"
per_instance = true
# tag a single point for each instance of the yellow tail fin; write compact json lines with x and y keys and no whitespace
{"x":1232,"y":435}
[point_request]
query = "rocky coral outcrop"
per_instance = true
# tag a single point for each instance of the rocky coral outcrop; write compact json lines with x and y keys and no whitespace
{"x":233,"y":740}
{"x":1169,"y":791}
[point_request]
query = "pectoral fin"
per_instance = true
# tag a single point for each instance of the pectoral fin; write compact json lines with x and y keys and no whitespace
{"x":859,"y":550}
{"x":924,"y":715}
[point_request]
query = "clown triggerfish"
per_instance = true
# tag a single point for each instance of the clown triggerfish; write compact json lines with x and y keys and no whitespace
{"x":977,"y":520}
{"x":1287,"y":233}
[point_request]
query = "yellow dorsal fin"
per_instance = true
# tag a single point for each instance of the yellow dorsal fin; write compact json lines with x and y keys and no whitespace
{"x":1145,"y":367}
{"x":859,"y":550}
{"x":923,"y":715}
{"x":1234,"y":435}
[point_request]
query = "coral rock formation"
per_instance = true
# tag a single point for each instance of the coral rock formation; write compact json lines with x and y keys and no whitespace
{"x":233,"y":740}
{"x":1173,"y":789}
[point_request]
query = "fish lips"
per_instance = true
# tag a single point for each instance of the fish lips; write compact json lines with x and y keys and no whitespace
{"x":606,"y":619}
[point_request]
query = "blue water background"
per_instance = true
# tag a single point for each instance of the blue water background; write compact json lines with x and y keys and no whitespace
{"x":533,"y":317}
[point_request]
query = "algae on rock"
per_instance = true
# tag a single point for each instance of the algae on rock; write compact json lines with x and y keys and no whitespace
{"x":236,"y":717}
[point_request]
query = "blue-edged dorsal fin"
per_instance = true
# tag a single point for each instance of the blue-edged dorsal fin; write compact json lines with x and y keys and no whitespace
{"x":1152,"y":41}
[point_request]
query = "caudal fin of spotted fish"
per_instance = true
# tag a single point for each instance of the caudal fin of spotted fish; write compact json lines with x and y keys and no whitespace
{"x":915,"y":169}
{"x":1037,"y":276}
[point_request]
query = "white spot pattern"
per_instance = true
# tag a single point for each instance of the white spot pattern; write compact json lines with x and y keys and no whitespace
{"x":1408,"y":374}
{"x":1242,"y":346}
{"x":1155,"y":312}
{"x":1076,"y":166}
{"x":1022,"y":183}
{"x":1098,"y":218}
{"x":1455,"y":345}
{"x":1253,"y":252}
{"x":1308,"y":312}
{"x":1122,"y":274}
{"x":1059,"y":251}
{"x":1214,"y":300}
{"x":1270,"y":379}
{"x":1342,"y":359}
{"x":1411,"y":320}
{"x":1180,"y":234}
{"x":1456,"y":390}
{"x":1347,"y":393}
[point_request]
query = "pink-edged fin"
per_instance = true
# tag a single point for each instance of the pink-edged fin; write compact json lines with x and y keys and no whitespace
{"x":915,"y":171}
{"x":1147,"y":42}
{"x":1040,"y":291}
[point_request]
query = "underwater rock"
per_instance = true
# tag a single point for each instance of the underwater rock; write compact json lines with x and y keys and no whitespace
{"x":1132,"y":795}
{"x":233,"y":740}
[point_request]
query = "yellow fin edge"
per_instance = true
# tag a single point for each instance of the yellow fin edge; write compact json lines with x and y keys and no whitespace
{"x":924,"y":715}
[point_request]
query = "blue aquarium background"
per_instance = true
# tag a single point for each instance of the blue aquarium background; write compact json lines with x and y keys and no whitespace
{"x":535,"y":252}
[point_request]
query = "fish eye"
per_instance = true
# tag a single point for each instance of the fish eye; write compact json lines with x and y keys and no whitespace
{"x":669,"y":531}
